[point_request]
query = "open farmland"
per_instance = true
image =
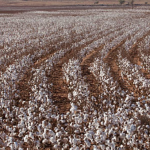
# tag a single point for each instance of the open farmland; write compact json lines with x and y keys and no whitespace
{"x":75,"y":79}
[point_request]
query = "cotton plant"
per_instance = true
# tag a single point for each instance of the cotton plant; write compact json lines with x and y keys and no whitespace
{"x":133,"y":74}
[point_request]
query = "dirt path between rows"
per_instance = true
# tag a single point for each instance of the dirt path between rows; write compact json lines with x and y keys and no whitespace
{"x":135,"y":57}
{"x":111,"y":60}
{"x":93,"y":85}
{"x":60,"y":87}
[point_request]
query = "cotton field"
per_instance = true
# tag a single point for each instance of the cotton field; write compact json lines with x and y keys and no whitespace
{"x":75,"y":79}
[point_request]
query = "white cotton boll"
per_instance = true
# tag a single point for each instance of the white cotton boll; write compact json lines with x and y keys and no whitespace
{"x":108,"y":142}
{"x":37,"y":144}
{"x":79,"y":120}
{"x":112,"y":146}
{"x":58,"y":134}
{"x":133,"y":128}
{"x":134,"y":148}
{"x":11,"y":146}
{"x":75,"y":93}
{"x":73,"y":108}
{"x":49,"y":101}
{"x":108,"y":148}
{"x":65,"y":140}
{"x":77,"y":131}
{"x":87,"y":142}
{"x":52,"y":139}
{"x":145,"y":136}
{"x":56,"y":146}
{"x":76,"y":148}
{"x":30,"y":128}
{"x":49,"y":125}
{"x":15,"y":145}
{"x":74,"y":141}
{"x":66,"y":146}
{"x":10,"y":139}
{"x":43,"y":123}
{"x":88,"y":135}
{"x":147,"y":107}
{"x":128,"y":136}
{"x":103,"y":147}
{"x":122,"y":135}
{"x":69,"y":96}
{"x":45,"y":136}
{"x":98,"y":132}
{"x":56,"y":129}
{"x":95,"y":147}
{"x":45,"y":141}
{"x":51,"y":133}
{"x":103,"y":136}
{"x":85,"y":117}
{"x":110,"y":131}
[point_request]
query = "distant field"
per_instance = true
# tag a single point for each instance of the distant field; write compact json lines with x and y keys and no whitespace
{"x":63,"y":2}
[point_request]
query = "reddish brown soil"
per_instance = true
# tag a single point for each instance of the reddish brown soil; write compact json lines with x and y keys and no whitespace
{"x":60,"y":90}
{"x":93,"y":85}
{"x":133,"y":57}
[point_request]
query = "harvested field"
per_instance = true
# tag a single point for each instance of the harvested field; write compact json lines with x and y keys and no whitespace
{"x":75,"y":79}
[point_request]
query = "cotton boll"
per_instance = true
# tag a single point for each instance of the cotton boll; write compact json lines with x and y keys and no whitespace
{"x":70,"y":96}
{"x":110,"y":132}
{"x":65,"y":140}
{"x":37,"y":143}
{"x":77,"y":131}
{"x":122,"y":135}
{"x":95,"y":147}
{"x":30,"y":128}
{"x":147,"y":126}
{"x":56,"y":146}
{"x":74,"y":141}
{"x":133,"y":128}
{"x":26,"y":138}
{"x":128,"y":136}
{"x":76,"y":148}
{"x":16,"y":145}
{"x":51,"y":133}
{"x":121,"y":147}
{"x":147,"y":107}
{"x":49,"y":125}
{"x":58,"y":134}
{"x":43,"y":123}
{"x":87,"y":142}
{"x":56,"y":129}
{"x":10,"y":140}
{"x":103,"y":147}
{"x":85,"y":117}
{"x":73,"y":108}
{"x":66,"y":146}
{"x":45,"y":134}
{"x":45,"y":141}
{"x":52,"y":139}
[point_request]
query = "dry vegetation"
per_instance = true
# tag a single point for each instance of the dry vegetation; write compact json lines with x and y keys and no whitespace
{"x":75,"y":80}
